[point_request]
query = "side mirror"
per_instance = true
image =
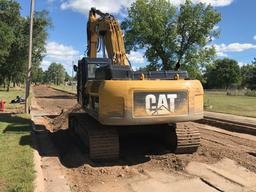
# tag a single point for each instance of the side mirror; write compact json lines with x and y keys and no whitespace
{"x":75,"y":68}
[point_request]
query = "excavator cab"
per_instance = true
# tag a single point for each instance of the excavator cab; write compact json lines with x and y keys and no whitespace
{"x":98,"y":69}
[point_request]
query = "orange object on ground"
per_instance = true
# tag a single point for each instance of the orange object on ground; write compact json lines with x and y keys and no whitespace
{"x":2,"y":105}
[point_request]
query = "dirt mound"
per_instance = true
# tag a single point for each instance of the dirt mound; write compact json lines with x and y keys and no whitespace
{"x":61,"y":121}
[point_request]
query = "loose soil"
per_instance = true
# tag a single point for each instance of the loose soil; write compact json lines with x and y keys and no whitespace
{"x":51,"y":101}
{"x":2,"y":185}
{"x":224,"y":161}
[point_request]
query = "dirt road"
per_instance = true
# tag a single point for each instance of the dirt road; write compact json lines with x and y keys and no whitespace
{"x":52,"y":101}
{"x":225,"y":161}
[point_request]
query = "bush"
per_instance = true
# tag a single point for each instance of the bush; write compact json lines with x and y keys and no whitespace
{"x":235,"y":92}
{"x":251,"y":93}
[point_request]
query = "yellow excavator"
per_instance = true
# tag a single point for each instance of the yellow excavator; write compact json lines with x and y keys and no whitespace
{"x":116,"y":98}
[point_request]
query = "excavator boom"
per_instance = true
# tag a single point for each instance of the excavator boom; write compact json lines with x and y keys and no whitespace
{"x":105,"y":27}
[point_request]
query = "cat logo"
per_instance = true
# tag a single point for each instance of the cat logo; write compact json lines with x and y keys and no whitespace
{"x":163,"y":104}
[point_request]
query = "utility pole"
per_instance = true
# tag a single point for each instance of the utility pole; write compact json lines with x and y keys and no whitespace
{"x":28,"y":79}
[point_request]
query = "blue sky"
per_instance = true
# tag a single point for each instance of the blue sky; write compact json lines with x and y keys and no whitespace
{"x":67,"y":38}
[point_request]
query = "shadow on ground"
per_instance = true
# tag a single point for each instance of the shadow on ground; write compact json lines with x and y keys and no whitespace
{"x":56,"y":97}
{"x":17,"y":125}
{"x":72,"y":152}
{"x":252,"y":153}
{"x":14,"y":119}
{"x":134,"y":149}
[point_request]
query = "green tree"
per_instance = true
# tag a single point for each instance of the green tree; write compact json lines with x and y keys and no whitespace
{"x":68,"y":77}
{"x":9,"y":18}
{"x":42,"y":22}
{"x":252,"y":79}
{"x":15,"y":62}
{"x":37,"y":75}
{"x":245,"y":73}
{"x":6,"y":36}
{"x":55,"y":73}
{"x":18,"y":56}
{"x":223,"y":73}
{"x":172,"y":36}
{"x":248,"y":73}
{"x":14,"y":36}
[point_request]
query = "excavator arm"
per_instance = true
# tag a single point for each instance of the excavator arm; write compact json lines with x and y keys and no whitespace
{"x":105,"y":26}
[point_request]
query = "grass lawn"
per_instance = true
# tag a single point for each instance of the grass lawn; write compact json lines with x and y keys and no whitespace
{"x":16,"y":154}
{"x":12,"y":94}
{"x":218,"y":101}
{"x":67,"y":88}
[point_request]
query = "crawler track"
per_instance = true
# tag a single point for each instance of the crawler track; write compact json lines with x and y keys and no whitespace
{"x":102,"y":141}
{"x":188,"y":138}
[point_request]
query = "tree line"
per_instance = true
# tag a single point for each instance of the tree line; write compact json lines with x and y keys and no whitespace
{"x":55,"y":74}
{"x":226,"y":73}
{"x":14,"y":35}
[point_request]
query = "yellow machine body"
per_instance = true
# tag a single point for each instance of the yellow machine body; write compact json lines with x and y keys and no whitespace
{"x":142,"y":102}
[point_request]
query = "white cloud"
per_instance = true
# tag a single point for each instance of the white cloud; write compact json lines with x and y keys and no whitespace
{"x":59,"y":53}
{"x":221,"y":54}
{"x":254,"y":37}
{"x":216,"y":27}
{"x":58,"y":50}
{"x":45,"y":64}
{"x":136,"y":58}
{"x":241,"y":63}
{"x":115,"y":6}
{"x":222,"y":49}
{"x":83,"y":6}
{"x":215,"y":3}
